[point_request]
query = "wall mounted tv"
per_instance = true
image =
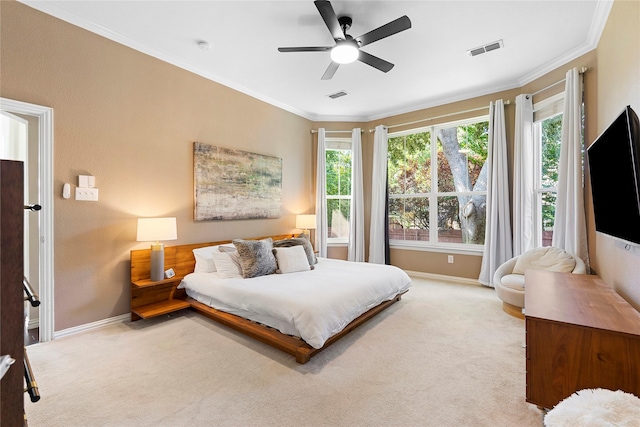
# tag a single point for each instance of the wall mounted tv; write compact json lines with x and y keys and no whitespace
{"x":614,"y":168}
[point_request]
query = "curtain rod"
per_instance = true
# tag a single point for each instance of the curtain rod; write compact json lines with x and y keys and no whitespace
{"x":507,"y":102}
{"x":334,"y":131}
{"x":545,"y":88}
{"x":581,"y":71}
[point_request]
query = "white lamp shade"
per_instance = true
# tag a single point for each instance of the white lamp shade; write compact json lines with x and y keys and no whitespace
{"x":306,"y":222}
{"x":156,"y":229}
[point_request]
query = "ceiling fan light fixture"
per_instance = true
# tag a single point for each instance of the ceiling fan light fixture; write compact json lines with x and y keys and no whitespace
{"x":345,"y":52}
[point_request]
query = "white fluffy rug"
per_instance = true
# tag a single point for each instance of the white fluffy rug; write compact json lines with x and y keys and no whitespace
{"x":596,"y":408}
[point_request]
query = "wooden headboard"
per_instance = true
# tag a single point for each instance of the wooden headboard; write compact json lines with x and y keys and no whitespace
{"x":179,"y":257}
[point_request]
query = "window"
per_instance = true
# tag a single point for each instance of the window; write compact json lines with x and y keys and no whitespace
{"x":338,"y":180}
{"x":547,"y":131}
{"x":442,"y":167}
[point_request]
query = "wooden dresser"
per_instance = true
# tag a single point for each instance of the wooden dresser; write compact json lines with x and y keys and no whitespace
{"x":579,"y":334}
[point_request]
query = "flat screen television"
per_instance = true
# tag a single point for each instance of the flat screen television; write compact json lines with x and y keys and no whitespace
{"x":614,"y":168}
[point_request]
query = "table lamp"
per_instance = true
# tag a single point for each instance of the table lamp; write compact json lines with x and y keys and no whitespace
{"x":306,"y":222}
{"x":156,"y":229}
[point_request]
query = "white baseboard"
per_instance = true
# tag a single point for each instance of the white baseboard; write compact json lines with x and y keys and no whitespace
{"x":33,"y":323}
{"x":433,"y":276}
{"x":92,"y":325}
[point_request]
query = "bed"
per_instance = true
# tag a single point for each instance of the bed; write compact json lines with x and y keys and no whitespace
{"x":299,"y":312}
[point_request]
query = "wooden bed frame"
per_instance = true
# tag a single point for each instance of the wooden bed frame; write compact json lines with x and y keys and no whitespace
{"x":181,"y":259}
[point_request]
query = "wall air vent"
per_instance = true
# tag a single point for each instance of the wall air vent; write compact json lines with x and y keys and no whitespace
{"x":486,"y":48}
{"x":337,"y":94}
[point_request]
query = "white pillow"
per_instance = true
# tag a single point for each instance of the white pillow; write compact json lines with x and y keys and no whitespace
{"x":204,"y":258}
{"x":545,"y":258}
{"x":291,"y":259}
{"x":227,"y":264}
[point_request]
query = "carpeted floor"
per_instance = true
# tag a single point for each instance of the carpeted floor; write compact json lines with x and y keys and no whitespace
{"x":445,"y":355}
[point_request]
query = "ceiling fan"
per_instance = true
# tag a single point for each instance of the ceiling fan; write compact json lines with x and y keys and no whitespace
{"x":347,"y":48}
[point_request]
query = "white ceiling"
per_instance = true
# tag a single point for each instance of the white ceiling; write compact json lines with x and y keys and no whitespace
{"x":432,"y":66}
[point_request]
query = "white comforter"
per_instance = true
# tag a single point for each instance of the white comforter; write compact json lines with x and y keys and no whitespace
{"x":313,"y":305}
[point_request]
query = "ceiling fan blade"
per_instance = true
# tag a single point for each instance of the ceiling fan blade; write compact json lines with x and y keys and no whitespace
{"x":375,"y":62}
{"x":389,"y":29}
{"x":305,"y":49}
{"x":330,"y":19}
{"x":331,"y":70}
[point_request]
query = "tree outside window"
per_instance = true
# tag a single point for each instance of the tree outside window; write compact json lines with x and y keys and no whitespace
{"x":442,"y":166}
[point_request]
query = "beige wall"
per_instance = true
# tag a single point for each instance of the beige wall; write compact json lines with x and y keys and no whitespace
{"x":618,"y":85}
{"x":131,"y":120}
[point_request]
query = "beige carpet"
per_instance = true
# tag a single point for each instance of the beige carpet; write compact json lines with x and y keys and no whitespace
{"x":445,"y":355}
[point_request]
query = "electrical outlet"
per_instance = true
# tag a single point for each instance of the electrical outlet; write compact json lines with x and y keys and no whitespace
{"x":87,"y":194}
{"x":450,"y":259}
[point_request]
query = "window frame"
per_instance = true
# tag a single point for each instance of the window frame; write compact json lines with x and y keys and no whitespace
{"x":338,"y":144}
{"x":546,"y":109}
{"x":432,"y":244}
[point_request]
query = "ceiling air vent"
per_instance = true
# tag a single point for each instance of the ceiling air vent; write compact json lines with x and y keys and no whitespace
{"x":337,"y":94}
{"x":486,"y":48}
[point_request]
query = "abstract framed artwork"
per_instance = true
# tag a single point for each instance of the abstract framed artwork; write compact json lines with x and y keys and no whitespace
{"x":233,"y":184}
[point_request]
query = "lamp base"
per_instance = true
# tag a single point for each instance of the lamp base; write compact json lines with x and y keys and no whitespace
{"x":157,"y":262}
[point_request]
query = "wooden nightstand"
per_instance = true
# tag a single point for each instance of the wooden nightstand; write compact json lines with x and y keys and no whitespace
{"x":151,"y":299}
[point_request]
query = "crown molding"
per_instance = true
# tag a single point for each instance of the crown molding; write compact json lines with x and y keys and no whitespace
{"x":601,"y":15}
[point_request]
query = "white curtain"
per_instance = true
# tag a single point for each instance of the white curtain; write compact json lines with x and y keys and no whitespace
{"x":356,"y":227}
{"x":377,"y":240}
{"x":569,"y":230}
{"x":523,"y":224}
{"x":321,"y":196}
{"x":498,"y":243}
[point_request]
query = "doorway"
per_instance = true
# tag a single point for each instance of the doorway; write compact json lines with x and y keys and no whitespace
{"x":37,"y":121}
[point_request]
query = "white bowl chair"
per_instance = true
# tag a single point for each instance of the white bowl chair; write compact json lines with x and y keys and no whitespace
{"x":508,"y":279}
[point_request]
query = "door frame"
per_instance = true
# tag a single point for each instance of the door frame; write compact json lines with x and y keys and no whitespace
{"x":45,"y":146}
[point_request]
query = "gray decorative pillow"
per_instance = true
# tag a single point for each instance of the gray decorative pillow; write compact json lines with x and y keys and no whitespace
{"x":302,"y":241}
{"x":308,"y":247}
{"x":256,"y":257}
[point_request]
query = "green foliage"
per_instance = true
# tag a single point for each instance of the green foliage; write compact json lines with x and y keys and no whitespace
{"x":338,"y":169}
{"x":338,"y":176}
{"x":409,"y":165}
{"x":409,"y":172}
{"x":475,"y":138}
{"x":409,"y":213}
{"x":551,"y":139}
{"x":551,"y":136}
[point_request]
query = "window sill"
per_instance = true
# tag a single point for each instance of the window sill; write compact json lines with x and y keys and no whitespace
{"x":475,"y":250}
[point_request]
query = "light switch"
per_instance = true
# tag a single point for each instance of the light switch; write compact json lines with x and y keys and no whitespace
{"x":87,"y":194}
{"x":86,"y":181}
